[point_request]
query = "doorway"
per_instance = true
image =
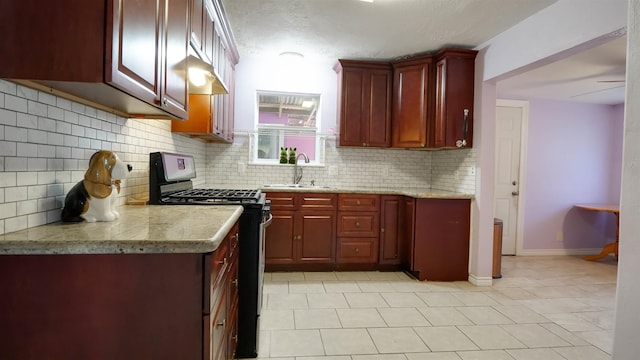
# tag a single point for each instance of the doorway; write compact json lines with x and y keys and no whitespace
{"x":511,"y":124}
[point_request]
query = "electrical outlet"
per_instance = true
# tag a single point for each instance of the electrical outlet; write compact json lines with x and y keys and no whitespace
{"x":472,"y":170}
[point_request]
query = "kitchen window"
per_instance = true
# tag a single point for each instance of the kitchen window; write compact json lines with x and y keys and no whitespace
{"x":286,"y":120}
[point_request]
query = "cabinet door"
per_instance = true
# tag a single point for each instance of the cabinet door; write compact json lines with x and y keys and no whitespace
{"x":408,"y":227}
{"x":378,"y":130}
{"x":365,"y":104}
{"x":174,"y":92}
{"x":411,"y":103}
{"x":315,"y":237}
{"x":136,"y":48}
{"x":390,"y":234}
{"x":453,"y":127}
{"x":441,"y":242}
{"x":279,"y":240}
{"x":198,"y":13}
{"x":352,"y":118}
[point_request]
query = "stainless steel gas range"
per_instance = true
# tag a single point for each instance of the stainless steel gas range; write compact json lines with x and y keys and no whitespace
{"x":170,"y":183}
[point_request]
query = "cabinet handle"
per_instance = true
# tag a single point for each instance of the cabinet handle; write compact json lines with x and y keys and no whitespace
{"x":223,"y":262}
{"x":235,"y":282}
{"x":465,"y":126}
{"x":222,"y":323}
{"x":234,"y":337}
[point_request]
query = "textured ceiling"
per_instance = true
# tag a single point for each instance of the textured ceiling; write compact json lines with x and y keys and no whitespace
{"x":383,"y":29}
{"x":327,"y":30}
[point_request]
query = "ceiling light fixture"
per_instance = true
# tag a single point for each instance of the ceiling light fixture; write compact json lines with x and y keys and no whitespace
{"x":291,"y":55}
{"x":369,"y":1}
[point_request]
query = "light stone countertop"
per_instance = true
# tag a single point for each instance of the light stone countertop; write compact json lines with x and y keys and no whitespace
{"x":418,"y":194}
{"x":140,"y":229}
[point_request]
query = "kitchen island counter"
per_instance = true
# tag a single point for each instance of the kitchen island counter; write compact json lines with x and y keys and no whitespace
{"x":418,"y":194}
{"x":140,"y":229}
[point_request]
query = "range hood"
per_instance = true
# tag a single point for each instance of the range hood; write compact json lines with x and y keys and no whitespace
{"x":203,"y":78}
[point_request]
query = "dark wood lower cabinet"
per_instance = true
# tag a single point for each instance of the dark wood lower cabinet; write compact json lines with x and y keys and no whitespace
{"x":116,"y":306}
{"x":441,"y":239}
{"x":302,"y":233}
{"x":425,"y":236}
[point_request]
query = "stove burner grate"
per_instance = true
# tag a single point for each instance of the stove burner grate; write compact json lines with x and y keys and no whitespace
{"x":218,"y":194}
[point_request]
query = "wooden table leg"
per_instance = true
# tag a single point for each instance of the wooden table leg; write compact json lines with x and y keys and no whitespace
{"x":609,"y":248}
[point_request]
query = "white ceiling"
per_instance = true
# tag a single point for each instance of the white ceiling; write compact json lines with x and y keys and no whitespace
{"x":327,"y":30}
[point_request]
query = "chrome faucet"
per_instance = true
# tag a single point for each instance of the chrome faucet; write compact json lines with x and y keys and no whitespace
{"x":297,"y":177}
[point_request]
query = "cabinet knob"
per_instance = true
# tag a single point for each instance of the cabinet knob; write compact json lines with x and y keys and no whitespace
{"x":357,"y":224}
{"x":357,"y":202}
{"x":357,"y":250}
{"x":223,"y":262}
{"x":382,"y":230}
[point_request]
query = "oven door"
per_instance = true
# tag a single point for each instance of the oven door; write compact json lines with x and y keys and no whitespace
{"x":267,"y":218}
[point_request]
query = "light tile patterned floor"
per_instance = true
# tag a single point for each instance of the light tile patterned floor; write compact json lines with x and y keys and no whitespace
{"x":551,"y":308}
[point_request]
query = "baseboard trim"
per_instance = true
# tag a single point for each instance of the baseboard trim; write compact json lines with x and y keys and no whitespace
{"x":555,"y":252}
{"x":480,"y":280}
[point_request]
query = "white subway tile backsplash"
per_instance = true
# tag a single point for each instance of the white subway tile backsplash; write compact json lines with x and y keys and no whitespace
{"x":46,"y":98}
{"x":15,"y":164}
{"x":15,"y":223}
{"x":18,"y":193}
{"x":51,"y":140}
{"x":54,"y":112}
{"x":36,"y":192}
{"x":36,"y":164}
{"x":15,"y":103}
{"x":8,"y":117}
{"x":8,"y":148}
{"x":27,"y":93}
{"x":37,"y":136}
{"x":27,"y":207}
{"x":27,"y":178}
{"x":27,"y":149}
{"x":46,"y":124}
{"x":15,"y":133}
{"x":37,"y":219}
{"x":7,"y":210}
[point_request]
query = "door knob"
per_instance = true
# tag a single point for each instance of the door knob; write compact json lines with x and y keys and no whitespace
{"x":515,"y":193}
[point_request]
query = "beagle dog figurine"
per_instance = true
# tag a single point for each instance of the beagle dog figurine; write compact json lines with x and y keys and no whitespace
{"x":95,"y":198}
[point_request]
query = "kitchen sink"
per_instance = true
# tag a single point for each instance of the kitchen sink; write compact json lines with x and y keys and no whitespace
{"x":296,"y":186}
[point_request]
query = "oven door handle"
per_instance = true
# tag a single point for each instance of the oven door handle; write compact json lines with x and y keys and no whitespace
{"x":268,"y":221}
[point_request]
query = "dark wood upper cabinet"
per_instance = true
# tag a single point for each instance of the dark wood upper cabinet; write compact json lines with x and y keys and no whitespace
{"x":117,"y":55}
{"x":364,"y":103}
{"x":412,"y":101}
{"x":428,"y":102}
{"x":453,"y":123}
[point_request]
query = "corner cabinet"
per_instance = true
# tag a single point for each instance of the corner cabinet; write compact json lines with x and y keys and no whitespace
{"x":116,"y":55}
{"x":453,"y":124}
{"x":364,"y":103}
{"x":412,"y":101}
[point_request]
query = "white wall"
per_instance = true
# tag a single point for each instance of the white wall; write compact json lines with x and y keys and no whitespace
{"x":553,"y":32}
{"x":625,"y":342}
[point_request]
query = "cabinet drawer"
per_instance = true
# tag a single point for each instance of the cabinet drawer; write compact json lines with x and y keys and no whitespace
{"x":358,"y":224}
{"x":316,"y":201}
{"x":282,"y":201}
{"x":357,"y":250}
{"x":358,"y":202}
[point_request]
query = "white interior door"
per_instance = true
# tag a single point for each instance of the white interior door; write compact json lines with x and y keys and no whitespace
{"x":510,"y":116}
